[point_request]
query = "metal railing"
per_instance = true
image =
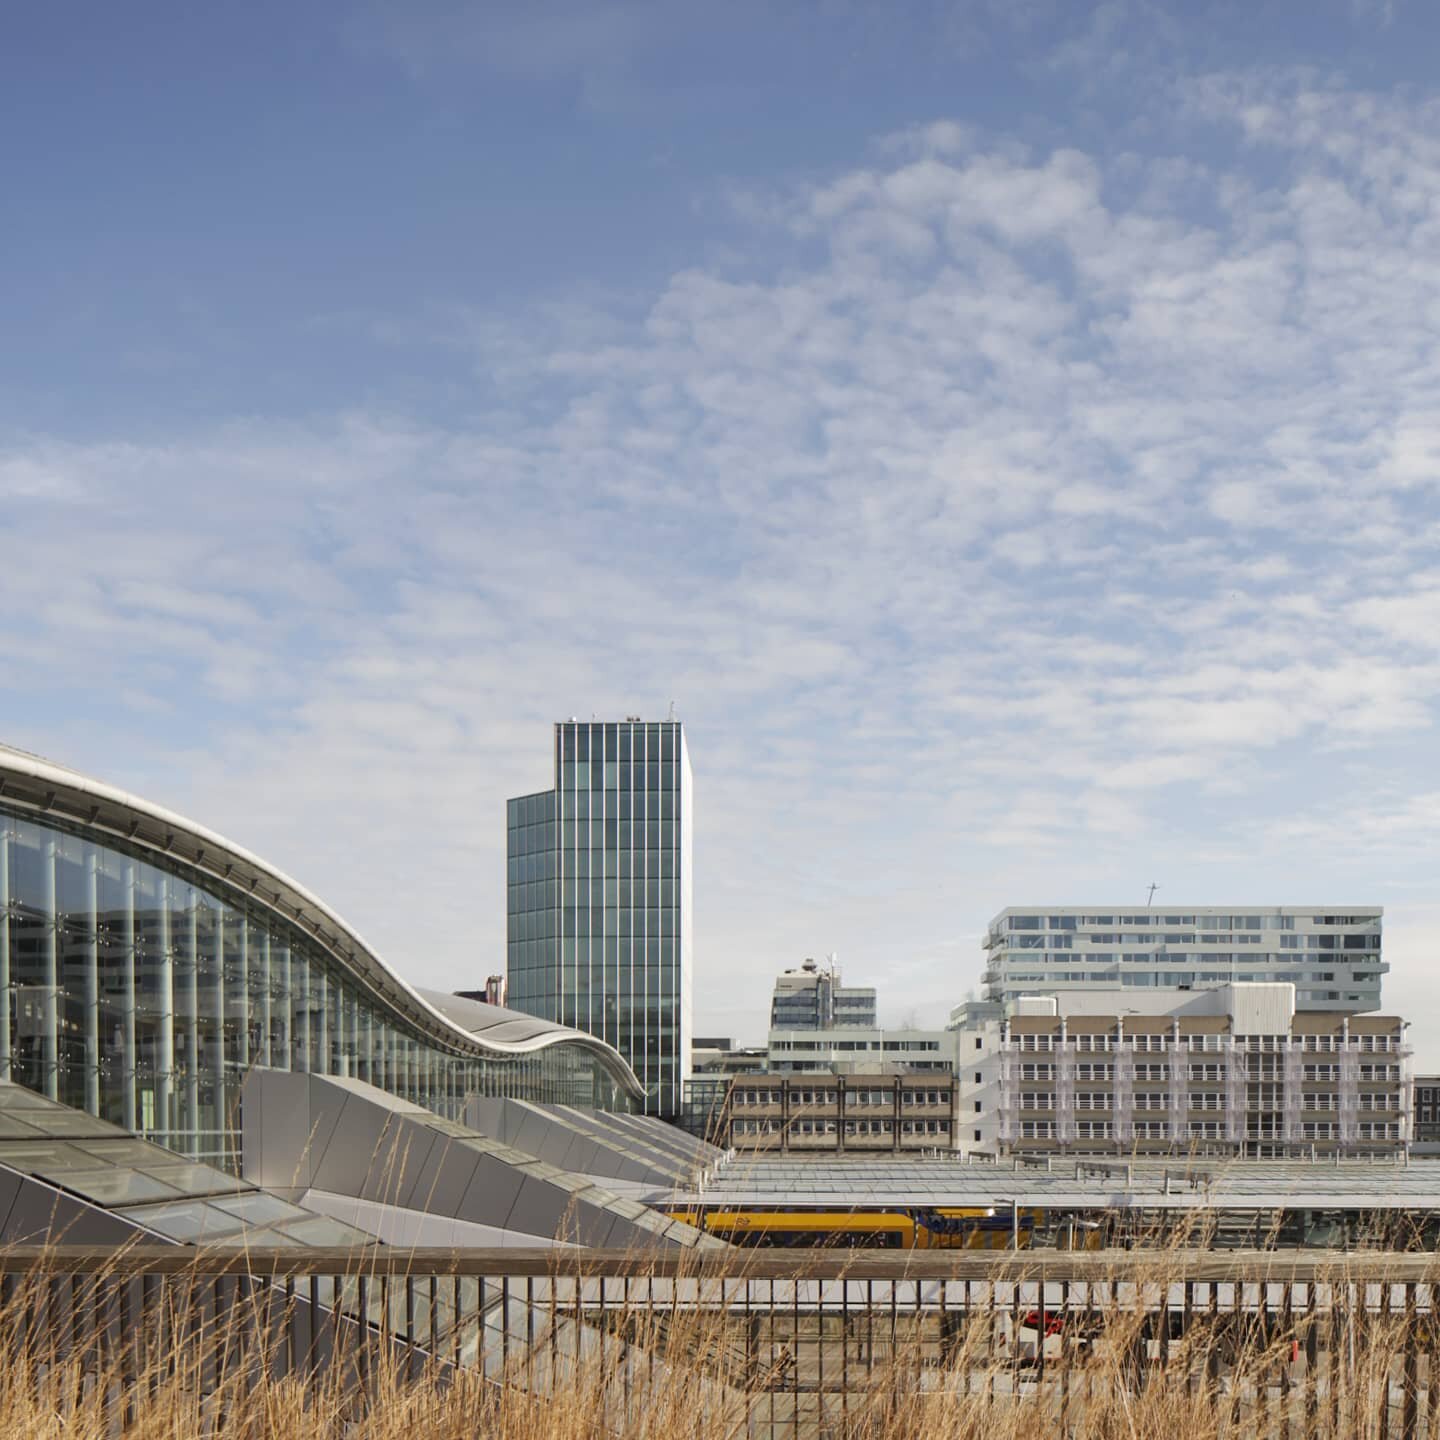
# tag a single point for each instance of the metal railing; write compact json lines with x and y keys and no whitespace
{"x":793,"y":1343}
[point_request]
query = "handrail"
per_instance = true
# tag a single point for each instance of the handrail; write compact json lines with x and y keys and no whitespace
{"x":1150,"y":1266}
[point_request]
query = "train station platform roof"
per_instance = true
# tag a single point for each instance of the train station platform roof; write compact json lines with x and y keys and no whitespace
{"x":908,"y":1182}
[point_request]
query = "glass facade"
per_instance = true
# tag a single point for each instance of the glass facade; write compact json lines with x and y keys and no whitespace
{"x":140,"y":990}
{"x":599,"y":924}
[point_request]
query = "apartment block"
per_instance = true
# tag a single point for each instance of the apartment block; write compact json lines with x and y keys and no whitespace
{"x":1238,"y":1072}
{"x":1331,"y":954}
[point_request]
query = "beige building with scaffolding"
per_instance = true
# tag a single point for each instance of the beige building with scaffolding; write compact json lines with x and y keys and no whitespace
{"x":1237,"y":1071}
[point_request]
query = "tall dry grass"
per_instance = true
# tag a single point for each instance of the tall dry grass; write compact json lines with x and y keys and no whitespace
{"x":90,"y":1356}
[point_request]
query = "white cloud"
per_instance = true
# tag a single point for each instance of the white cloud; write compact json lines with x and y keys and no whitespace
{"x":1015,"y":536}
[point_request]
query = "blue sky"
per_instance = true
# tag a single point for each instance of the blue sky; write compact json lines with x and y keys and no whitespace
{"x":1007,"y":431}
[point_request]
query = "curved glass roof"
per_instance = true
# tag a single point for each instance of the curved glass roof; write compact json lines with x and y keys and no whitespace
{"x":55,"y":790}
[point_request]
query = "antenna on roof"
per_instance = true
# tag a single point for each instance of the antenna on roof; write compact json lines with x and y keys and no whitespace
{"x":671,"y":715}
{"x":1150,"y":898}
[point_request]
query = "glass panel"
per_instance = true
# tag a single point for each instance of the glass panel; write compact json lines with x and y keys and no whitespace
{"x":74,"y":1122}
{"x":259,"y":1208}
{"x":188,"y":1221}
{"x":321,"y":1230}
{"x":114,"y":1187}
{"x":125,"y":1151}
{"x":259,"y":1240}
{"x":44,"y":1157}
{"x":193,"y":1179}
{"x":17,"y":1097}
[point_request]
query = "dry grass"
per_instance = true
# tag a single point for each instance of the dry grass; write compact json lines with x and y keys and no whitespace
{"x":193,"y":1360}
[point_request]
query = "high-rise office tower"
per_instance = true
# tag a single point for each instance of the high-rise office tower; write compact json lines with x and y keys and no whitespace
{"x":600,"y":927}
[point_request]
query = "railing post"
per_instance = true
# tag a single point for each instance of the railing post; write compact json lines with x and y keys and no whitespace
{"x":1411,"y":1422}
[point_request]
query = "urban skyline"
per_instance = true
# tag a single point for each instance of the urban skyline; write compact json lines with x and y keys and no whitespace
{"x":975,"y":464}
{"x":1007,"y":434}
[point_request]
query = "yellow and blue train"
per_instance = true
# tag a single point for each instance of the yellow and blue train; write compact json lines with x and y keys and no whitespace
{"x":901,"y":1229}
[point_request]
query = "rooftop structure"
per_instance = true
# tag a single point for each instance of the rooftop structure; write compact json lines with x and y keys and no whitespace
{"x":362,"y":1156}
{"x":1069,"y":1184}
{"x":1330,"y":953}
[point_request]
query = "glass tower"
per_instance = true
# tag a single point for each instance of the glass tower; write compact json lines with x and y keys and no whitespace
{"x":599,"y":926}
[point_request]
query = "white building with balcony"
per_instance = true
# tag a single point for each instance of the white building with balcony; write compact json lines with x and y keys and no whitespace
{"x":1235,"y":1071}
{"x":1331,"y":954}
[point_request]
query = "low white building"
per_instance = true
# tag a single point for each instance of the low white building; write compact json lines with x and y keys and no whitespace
{"x":856,"y":1050}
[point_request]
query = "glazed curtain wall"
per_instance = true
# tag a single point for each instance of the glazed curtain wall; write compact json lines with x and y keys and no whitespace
{"x":599,"y":916}
{"x":140,"y":995}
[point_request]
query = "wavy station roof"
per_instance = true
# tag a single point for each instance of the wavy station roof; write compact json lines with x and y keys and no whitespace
{"x":460,"y":1026}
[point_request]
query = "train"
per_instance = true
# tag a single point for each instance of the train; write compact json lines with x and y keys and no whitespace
{"x":940,"y":1228}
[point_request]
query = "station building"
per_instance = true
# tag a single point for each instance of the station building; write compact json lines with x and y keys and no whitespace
{"x":148,"y":964}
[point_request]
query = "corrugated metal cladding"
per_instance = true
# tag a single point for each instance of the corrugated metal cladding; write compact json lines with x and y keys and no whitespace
{"x":1261,"y":1009}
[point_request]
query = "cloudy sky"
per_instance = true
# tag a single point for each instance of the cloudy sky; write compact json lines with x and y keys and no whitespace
{"x":1007,"y":429}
